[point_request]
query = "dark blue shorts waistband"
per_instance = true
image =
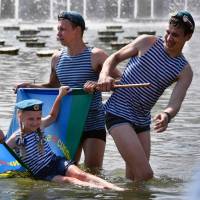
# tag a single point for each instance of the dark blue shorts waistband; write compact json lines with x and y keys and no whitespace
{"x":113,"y":120}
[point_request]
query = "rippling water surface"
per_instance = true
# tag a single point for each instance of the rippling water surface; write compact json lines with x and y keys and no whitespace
{"x":174,"y":152}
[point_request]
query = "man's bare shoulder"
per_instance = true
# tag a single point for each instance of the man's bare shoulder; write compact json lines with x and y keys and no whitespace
{"x":98,"y":58}
{"x":55,"y":58}
{"x":56,"y":53}
{"x":143,"y":43}
{"x":147,"y":40}
{"x":98,"y":51}
{"x":99,"y":54}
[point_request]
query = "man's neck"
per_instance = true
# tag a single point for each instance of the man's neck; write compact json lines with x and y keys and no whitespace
{"x":76,"y":48}
{"x":174,"y":53}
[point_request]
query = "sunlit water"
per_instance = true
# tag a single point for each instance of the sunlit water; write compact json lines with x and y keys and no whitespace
{"x":174,"y":152}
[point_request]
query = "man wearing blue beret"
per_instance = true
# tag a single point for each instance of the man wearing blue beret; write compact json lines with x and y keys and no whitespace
{"x":73,"y":66}
{"x":159,"y":61}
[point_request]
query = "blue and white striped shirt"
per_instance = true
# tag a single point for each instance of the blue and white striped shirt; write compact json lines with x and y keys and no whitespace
{"x":75,"y":71}
{"x":32,"y":156}
{"x":155,"y":67}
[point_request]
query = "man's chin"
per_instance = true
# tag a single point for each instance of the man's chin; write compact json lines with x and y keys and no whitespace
{"x":62,"y":42}
{"x":167,"y":46}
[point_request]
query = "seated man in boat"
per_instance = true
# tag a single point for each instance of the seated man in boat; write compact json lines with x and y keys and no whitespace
{"x":30,"y":145}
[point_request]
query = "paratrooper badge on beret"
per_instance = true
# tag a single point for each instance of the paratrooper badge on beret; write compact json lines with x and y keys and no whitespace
{"x":30,"y":105}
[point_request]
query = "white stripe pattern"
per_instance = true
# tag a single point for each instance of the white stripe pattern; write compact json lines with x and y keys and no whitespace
{"x":155,"y":67}
{"x":74,"y":71}
{"x":32,"y":157}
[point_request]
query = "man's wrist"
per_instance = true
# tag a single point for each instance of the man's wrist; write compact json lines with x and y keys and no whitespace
{"x":168,"y":116}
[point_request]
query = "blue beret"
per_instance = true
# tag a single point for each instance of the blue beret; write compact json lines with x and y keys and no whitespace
{"x":186,"y":18}
{"x":29,"y":105}
{"x":73,"y":17}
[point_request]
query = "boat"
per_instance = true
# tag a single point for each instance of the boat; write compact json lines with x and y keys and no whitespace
{"x":45,"y":53}
{"x":35,"y":44}
{"x":9,"y":50}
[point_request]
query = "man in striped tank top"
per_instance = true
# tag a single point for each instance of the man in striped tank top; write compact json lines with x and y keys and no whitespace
{"x":73,"y":66}
{"x":161,"y":63}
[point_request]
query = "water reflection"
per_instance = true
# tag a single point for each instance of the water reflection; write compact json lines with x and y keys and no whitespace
{"x":174,"y":152}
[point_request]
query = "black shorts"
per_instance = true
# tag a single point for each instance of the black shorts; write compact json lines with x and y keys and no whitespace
{"x":113,"y":121}
{"x":57,"y":166}
{"x":99,"y":134}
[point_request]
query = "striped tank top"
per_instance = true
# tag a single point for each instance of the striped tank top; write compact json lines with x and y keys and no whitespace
{"x":75,"y":71}
{"x":32,"y":157}
{"x":155,"y":67}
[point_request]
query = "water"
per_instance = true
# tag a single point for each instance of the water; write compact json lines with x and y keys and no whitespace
{"x":101,"y":10}
{"x":174,"y":152}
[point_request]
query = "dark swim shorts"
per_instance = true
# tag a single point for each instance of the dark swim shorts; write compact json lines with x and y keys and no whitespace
{"x":58,"y":166}
{"x":99,"y":134}
{"x":113,"y":121}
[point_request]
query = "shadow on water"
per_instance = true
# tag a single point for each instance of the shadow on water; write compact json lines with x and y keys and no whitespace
{"x":174,"y":152}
